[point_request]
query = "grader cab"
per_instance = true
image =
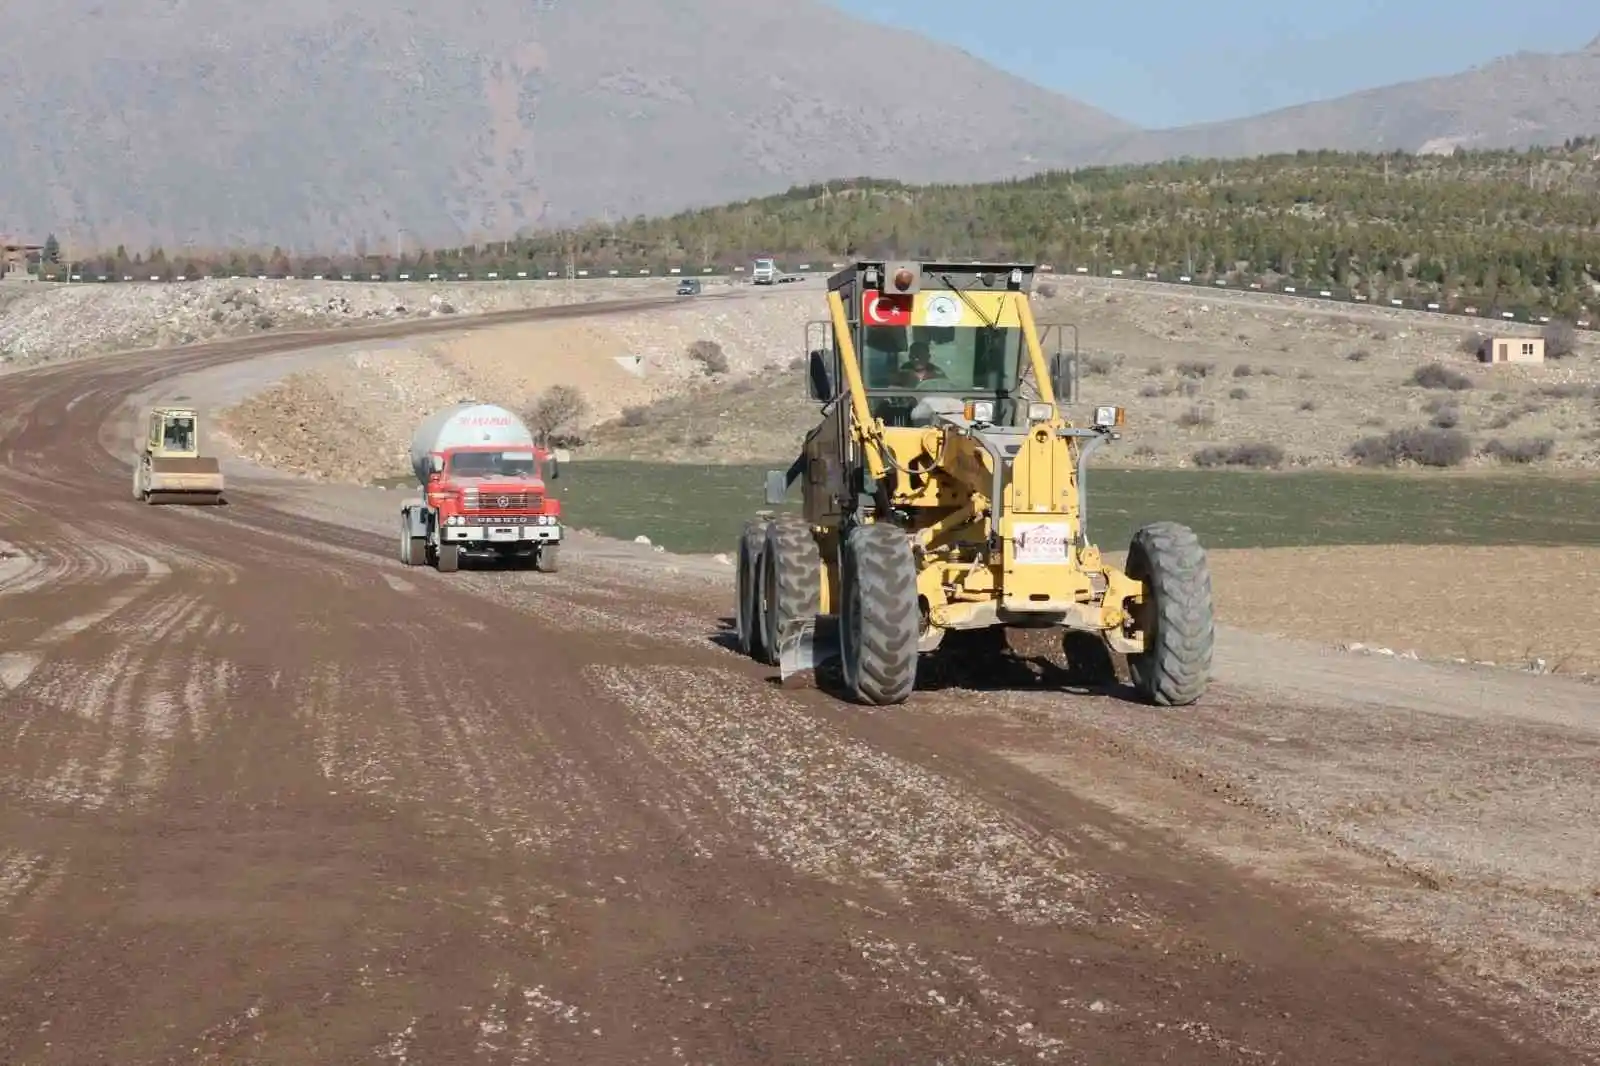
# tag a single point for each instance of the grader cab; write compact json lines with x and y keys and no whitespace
{"x":943,"y":492}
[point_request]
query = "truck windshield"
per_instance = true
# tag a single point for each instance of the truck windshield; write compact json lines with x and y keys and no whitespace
{"x":957,"y":360}
{"x":492,"y":464}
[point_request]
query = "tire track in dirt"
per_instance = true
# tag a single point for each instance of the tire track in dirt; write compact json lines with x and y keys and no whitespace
{"x":837,"y":809}
{"x":94,"y":724}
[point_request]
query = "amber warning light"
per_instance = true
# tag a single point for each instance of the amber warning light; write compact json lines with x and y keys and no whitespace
{"x":903,"y":279}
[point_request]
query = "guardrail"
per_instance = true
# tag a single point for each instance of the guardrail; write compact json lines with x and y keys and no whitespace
{"x":1444,"y":306}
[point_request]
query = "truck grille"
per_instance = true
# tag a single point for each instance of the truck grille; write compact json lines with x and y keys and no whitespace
{"x":504,"y":501}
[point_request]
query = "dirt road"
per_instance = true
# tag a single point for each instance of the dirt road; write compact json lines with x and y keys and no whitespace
{"x":269,"y":797}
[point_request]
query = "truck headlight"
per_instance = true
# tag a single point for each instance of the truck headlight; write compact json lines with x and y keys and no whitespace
{"x":1107,"y":417}
{"x":1041,"y":412}
{"x":979,"y":411}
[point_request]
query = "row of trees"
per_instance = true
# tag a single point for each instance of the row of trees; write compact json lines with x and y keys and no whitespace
{"x":1493,"y":228}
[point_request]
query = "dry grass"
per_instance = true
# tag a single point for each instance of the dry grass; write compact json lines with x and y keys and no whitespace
{"x":1422,"y":599}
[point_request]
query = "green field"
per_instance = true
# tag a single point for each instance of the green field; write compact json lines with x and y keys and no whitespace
{"x":701,"y":509}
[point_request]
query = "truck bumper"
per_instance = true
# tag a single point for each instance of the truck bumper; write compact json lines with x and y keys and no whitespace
{"x":486,"y":535}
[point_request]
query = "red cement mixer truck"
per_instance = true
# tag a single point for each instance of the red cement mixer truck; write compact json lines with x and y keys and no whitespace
{"x":483,"y":482}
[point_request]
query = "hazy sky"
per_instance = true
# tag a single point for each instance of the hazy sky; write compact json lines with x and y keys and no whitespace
{"x":1172,"y":62}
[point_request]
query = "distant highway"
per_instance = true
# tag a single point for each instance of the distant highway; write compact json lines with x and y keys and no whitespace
{"x":1437,"y":305}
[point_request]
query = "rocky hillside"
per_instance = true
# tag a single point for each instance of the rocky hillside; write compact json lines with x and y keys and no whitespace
{"x":335,"y":127}
{"x":231,"y":121}
{"x":1516,"y":101}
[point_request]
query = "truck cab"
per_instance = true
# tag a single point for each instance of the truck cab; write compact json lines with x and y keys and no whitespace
{"x":492,"y":500}
{"x":764,"y":272}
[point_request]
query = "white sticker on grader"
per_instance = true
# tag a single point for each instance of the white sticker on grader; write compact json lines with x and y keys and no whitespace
{"x":943,"y":312}
{"x":1042,"y":542}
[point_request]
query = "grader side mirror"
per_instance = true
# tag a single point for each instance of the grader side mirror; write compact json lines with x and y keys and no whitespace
{"x":819,"y":382}
{"x":1063,"y":375}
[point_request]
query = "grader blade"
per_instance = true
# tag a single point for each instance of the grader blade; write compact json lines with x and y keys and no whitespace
{"x":804,"y":647}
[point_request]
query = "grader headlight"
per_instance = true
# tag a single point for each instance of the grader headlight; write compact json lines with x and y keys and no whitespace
{"x":1041,"y":412}
{"x":1109,"y":417}
{"x":979,"y":412}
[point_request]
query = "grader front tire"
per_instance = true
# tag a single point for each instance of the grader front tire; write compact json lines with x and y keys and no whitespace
{"x":747,"y":622}
{"x":790,"y":588}
{"x":1176,"y":616}
{"x":879,"y":620}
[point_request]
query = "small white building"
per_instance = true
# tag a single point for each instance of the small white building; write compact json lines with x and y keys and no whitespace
{"x":1512,"y":350}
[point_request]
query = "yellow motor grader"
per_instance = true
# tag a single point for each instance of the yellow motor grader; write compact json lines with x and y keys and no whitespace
{"x":168,"y":467}
{"x":944,"y":493}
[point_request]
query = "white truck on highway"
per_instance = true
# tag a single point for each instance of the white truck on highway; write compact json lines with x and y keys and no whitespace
{"x":764,"y":272}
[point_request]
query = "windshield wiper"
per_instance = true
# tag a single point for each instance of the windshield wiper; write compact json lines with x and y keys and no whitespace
{"x":959,"y":291}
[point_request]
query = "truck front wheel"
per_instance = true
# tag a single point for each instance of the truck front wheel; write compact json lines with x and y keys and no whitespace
{"x":447,"y":558}
{"x":548,"y":561}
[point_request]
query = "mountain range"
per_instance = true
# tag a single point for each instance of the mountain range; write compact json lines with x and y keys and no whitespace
{"x":333,"y":127}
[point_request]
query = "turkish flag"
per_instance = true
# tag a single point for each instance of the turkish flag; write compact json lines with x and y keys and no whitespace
{"x":880,"y":310}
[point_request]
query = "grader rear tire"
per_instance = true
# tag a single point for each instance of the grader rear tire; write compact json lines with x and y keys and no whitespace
{"x":879,"y":620}
{"x":747,"y":624}
{"x":790,"y":587}
{"x":1176,"y":616}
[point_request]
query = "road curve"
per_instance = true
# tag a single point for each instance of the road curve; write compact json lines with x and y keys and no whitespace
{"x":266,"y":796}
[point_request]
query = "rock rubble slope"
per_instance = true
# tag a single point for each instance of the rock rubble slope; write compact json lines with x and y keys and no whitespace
{"x":46,"y":322}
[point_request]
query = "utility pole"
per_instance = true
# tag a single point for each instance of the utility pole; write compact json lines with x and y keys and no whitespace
{"x":572,"y":269}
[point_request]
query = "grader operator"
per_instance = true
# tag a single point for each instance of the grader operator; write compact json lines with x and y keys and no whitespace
{"x":944,"y":491}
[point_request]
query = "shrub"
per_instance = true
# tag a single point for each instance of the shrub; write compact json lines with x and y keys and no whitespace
{"x":1099,"y":365}
{"x":1195,"y":416}
{"x":710,"y":356}
{"x":1308,"y":405}
{"x":1196,"y":370}
{"x":1239,"y":394}
{"x":1570,"y":390}
{"x":1446,"y":418}
{"x":1419,"y":445}
{"x":1257,"y":455}
{"x":1527,"y":450}
{"x":1472,"y":343}
{"x":1243,"y":370}
{"x":1152,"y":391}
{"x":1360,"y":355}
{"x":1439,"y":376}
{"x":556,"y":409}
{"x":1560,"y":339}
{"x":635,"y":416}
{"x":1045,"y":290}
